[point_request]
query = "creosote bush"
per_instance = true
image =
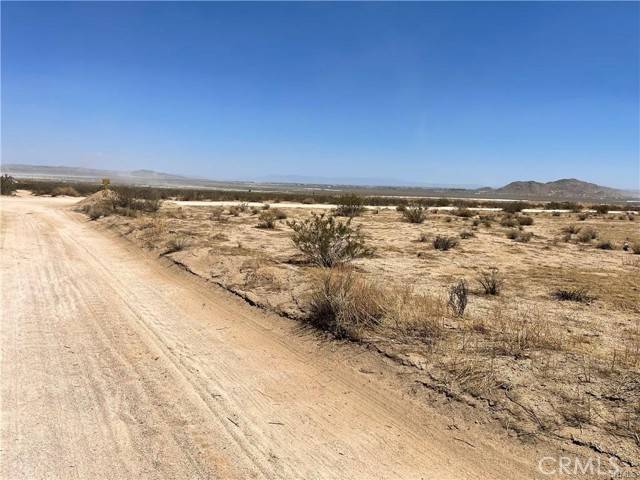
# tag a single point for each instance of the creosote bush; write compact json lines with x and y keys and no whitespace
{"x":350,"y":205}
{"x":442,"y":242}
{"x":465,"y":234}
{"x":491,"y":281}
{"x":414,"y":213}
{"x":327,"y":241}
{"x":458,"y":297}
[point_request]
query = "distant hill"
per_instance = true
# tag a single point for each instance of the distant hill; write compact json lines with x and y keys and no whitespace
{"x":568,"y":188}
{"x":565,"y":189}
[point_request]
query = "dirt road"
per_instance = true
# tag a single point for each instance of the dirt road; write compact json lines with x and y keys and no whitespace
{"x":118,"y":366}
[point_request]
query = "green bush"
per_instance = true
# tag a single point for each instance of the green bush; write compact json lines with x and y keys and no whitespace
{"x":327,"y":241}
{"x":8,"y":185}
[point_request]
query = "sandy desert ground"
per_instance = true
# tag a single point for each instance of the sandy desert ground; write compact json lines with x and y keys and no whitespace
{"x":119,"y":364}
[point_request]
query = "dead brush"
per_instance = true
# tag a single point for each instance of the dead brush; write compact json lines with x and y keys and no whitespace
{"x":414,"y":315}
{"x":522,"y":329}
{"x":176,"y":244}
{"x":491,"y":281}
{"x":345,"y":303}
{"x":442,"y":242}
{"x":580,"y":295}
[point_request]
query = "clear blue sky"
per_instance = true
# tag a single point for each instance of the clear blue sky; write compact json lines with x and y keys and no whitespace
{"x":461,"y":93}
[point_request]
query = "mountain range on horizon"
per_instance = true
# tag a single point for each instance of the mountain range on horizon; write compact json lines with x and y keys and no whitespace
{"x":562,"y":188}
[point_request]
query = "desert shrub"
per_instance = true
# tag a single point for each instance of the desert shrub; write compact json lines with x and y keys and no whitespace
{"x":601,"y":209}
{"x":448,"y":219}
{"x":587,"y":234}
{"x":235,"y":210}
{"x":458,"y":297}
{"x":175,"y":244}
{"x":464,"y":234}
{"x":345,"y":303}
{"x":143,"y":199}
{"x":520,"y":329}
{"x":442,"y":242}
{"x":267,"y":219}
{"x":635,"y":247}
{"x":414,"y":214}
{"x":555,"y":214}
{"x":509,"y":220}
{"x":574,"y":207}
{"x":519,"y":235}
{"x":486,"y":220}
{"x":279,"y":213}
{"x":65,"y":190}
{"x":423,"y":237}
{"x":8,"y":184}
{"x":97,"y":210}
{"x":513,"y":207}
{"x":255,"y":210}
{"x":491,"y":281}
{"x":216,"y":213}
{"x":266,"y":206}
{"x":327,"y":241}
{"x":631,"y":217}
{"x":525,"y":220}
{"x":463,"y":212}
{"x":308,"y":201}
{"x":402,"y":205}
{"x":572,"y":294}
{"x":571,"y":229}
{"x":583,"y":216}
{"x":350,"y":205}
{"x":605,"y":245}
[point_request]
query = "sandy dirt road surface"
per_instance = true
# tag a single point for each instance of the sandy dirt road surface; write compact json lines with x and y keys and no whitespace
{"x":119,"y":366}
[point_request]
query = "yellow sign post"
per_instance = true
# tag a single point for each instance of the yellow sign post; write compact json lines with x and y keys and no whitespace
{"x":105,"y":183}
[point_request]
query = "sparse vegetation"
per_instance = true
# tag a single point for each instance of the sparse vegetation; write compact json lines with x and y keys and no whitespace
{"x":345,"y":303}
{"x":491,"y":281}
{"x":414,"y":213}
{"x":349,"y":206}
{"x":267,"y":219}
{"x":8,"y":185}
{"x":465,"y":234}
{"x":65,"y":190}
{"x":587,"y":234}
{"x":327,"y":241}
{"x":524,"y":220}
{"x":442,"y":242}
{"x":519,"y":235}
{"x":605,"y":245}
{"x":572,"y":294}
{"x":176,"y":244}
